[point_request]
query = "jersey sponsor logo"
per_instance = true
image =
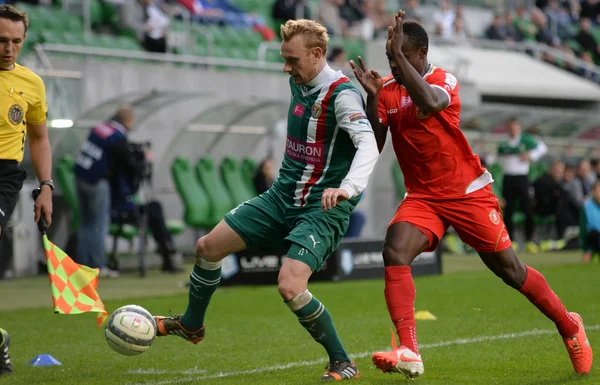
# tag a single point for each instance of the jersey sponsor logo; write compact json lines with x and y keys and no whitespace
{"x":298,"y":110}
{"x":405,"y":102}
{"x":316,"y":110}
{"x":505,"y":238}
{"x":357,"y":116}
{"x":450,"y":82}
{"x":310,"y":153}
{"x":494,"y":217}
{"x":15,"y":114}
{"x":392,"y":111}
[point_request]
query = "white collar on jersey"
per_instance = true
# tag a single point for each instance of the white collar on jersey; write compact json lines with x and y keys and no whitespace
{"x":322,"y":77}
{"x":325,"y":77}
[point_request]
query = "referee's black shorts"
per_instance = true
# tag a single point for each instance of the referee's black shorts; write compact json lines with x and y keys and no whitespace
{"x":12,"y":176}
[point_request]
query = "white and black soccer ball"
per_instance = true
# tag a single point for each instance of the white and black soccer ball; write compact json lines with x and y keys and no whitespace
{"x":130,"y":330}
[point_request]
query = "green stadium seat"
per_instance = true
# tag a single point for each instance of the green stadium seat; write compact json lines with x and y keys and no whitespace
{"x":73,"y":24}
{"x":248,"y":169}
{"x":497,"y":173}
{"x":96,"y":12}
{"x":235,"y":182}
{"x":125,"y":231}
{"x":195,"y":201}
{"x":65,"y":177}
{"x":49,"y":36}
{"x":72,"y":38}
{"x":273,"y":56}
{"x":398,"y":179}
{"x":250,"y":53}
{"x":211,"y":181}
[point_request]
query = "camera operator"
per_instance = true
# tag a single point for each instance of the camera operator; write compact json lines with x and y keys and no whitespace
{"x":126,"y":210}
{"x":102,"y":164}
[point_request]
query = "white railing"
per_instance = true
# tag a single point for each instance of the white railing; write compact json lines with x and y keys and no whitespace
{"x":159,"y":57}
{"x":535,"y":48}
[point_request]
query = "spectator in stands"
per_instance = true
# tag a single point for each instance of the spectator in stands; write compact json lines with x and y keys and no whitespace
{"x":353,"y":12}
{"x":330,"y":16}
{"x":412,"y":11}
{"x":377,"y":19}
{"x":444,"y":19}
{"x":584,"y":71}
{"x":104,"y":150}
{"x":551,"y":199}
{"x":265,"y":176}
{"x":568,"y":64}
{"x":338,"y":58}
{"x":497,"y":31}
{"x":585,"y":177}
{"x":589,"y":231}
{"x":461,"y":28}
{"x":573,"y":8}
{"x":585,"y":38}
{"x":590,"y":9}
{"x":224,"y":12}
{"x":543,"y":35}
{"x":559,"y":20}
{"x":156,"y":23}
{"x":523,"y":24}
{"x":595,"y":163}
{"x":284,"y":10}
{"x":572,"y":185}
{"x":515,"y":155}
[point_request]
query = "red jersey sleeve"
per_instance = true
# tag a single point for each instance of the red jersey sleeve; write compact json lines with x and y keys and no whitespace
{"x":444,"y":81}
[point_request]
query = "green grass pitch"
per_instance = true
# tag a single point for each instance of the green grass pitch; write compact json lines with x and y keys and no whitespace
{"x":486,"y":333}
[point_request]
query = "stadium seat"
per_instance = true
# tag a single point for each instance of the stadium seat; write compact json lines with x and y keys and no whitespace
{"x":194,"y":198}
{"x":398,"y":179}
{"x":497,"y":173}
{"x":209,"y":178}
{"x":248,"y":170}
{"x":235,"y":182}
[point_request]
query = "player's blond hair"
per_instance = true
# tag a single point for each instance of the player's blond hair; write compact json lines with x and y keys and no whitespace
{"x":11,"y":13}
{"x":313,"y":33}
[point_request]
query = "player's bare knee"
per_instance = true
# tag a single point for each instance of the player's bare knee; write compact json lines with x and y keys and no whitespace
{"x":511,"y":270}
{"x":396,"y":255}
{"x":289,"y":288}
{"x":204,"y":251}
{"x":515,"y":274}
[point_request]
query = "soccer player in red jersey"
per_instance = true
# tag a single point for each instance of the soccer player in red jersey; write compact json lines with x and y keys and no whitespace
{"x":447,"y":186}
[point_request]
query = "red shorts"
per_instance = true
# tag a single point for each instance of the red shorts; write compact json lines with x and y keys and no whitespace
{"x":476,"y":218}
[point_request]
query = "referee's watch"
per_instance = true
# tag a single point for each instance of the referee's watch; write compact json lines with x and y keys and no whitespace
{"x":49,"y":183}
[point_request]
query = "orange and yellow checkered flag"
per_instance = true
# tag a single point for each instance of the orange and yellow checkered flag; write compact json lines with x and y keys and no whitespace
{"x":73,"y":285}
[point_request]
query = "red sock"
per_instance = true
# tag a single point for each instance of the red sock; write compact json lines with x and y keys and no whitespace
{"x":539,"y":293}
{"x":400,"y":296}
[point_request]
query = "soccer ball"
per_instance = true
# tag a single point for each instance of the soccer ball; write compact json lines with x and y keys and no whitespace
{"x":130,"y":330}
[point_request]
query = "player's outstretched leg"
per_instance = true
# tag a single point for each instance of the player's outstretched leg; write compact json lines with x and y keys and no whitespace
{"x":314,"y":317}
{"x":403,"y":243}
{"x":529,"y":282}
{"x":5,"y":365}
{"x":204,"y":280}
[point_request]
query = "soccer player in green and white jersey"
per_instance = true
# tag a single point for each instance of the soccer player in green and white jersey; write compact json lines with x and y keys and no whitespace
{"x":330,"y":153}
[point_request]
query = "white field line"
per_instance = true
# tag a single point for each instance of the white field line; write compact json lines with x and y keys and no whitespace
{"x":297,"y":364}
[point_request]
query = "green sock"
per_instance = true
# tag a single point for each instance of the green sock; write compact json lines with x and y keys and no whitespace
{"x":203,"y":283}
{"x":315,"y":318}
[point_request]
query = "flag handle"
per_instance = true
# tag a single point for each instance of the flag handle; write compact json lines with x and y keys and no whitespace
{"x":42,"y":224}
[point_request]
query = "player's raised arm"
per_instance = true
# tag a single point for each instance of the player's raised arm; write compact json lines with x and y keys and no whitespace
{"x":410,"y":57}
{"x":352,"y":118}
{"x":372,"y":82}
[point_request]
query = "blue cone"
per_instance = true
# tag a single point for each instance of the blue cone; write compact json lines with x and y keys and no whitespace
{"x":44,"y":360}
